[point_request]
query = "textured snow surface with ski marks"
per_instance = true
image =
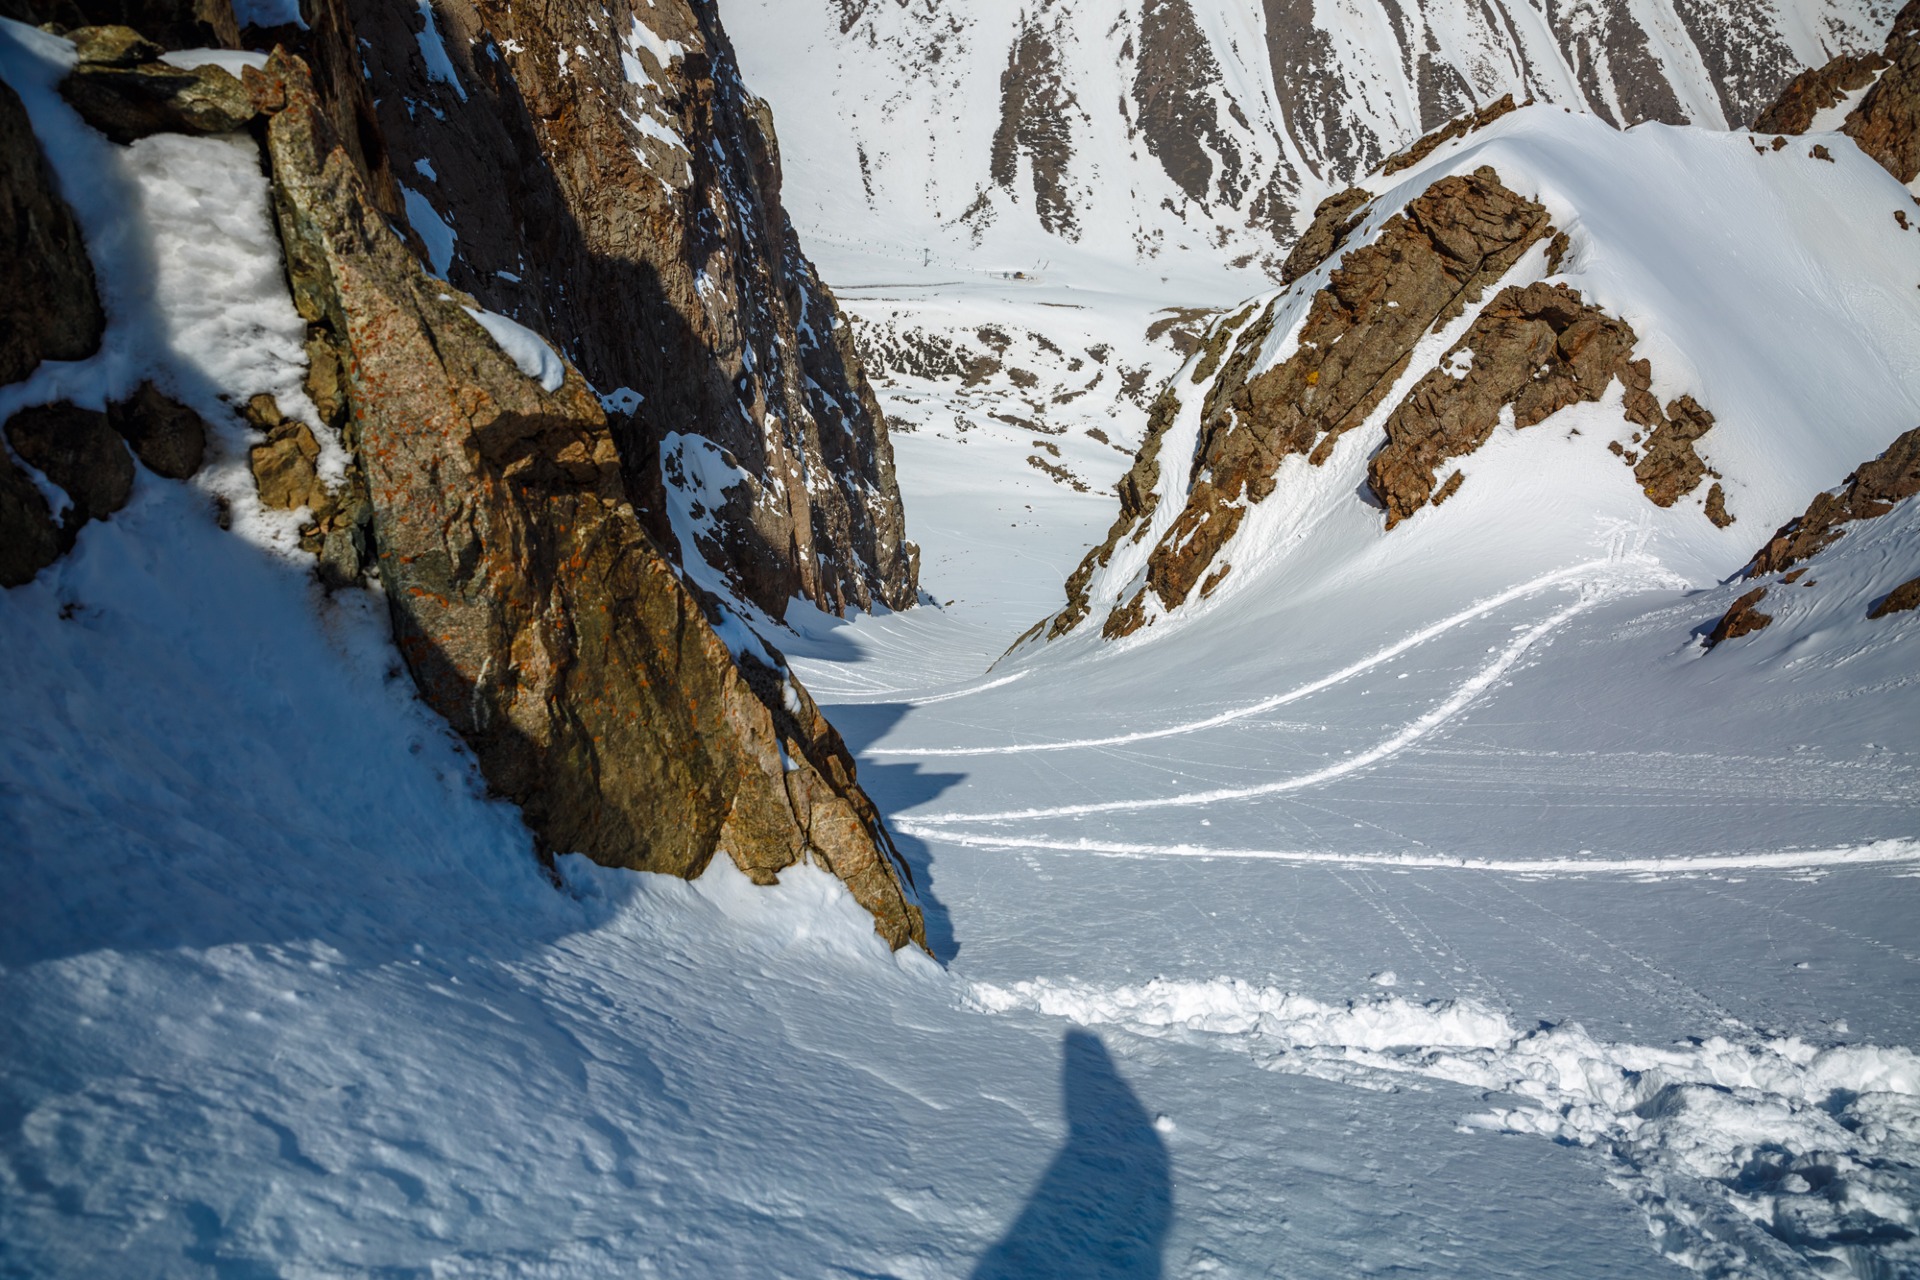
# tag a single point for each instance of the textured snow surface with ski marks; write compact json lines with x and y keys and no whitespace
{"x":1563,"y":949}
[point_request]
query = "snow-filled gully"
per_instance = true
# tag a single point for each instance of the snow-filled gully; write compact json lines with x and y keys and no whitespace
{"x":1734,"y":1150}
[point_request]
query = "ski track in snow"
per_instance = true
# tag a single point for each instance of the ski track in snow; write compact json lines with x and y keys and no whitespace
{"x":1544,"y":582}
{"x":1877,"y":853}
{"x":1458,"y":701}
{"x":1734,"y":1151}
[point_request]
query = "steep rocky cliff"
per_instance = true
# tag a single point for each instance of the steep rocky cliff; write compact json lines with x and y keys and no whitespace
{"x":439,"y":450}
{"x":605,"y":177}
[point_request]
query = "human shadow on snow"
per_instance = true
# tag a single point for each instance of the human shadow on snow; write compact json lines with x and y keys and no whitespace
{"x":1103,"y":1206}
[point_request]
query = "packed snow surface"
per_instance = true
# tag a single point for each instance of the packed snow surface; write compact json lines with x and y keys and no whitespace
{"x":1432,"y":904}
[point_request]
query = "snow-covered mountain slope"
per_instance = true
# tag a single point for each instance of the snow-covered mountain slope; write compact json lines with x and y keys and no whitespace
{"x":1169,"y":128}
{"x":1770,"y":289}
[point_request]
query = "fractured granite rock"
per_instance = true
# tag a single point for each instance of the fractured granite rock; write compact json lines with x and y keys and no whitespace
{"x":127,"y":99}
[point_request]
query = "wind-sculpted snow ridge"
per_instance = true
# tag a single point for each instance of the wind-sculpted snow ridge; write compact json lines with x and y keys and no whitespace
{"x":1147,"y":131}
{"x":1749,"y":1155}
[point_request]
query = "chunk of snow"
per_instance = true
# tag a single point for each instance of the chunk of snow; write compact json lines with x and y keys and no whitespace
{"x":527,"y":349}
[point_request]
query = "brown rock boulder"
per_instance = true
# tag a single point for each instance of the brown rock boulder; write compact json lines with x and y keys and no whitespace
{"x":168,"y":437}
{"x":29,"y":536}
{"x":531,"y":606}
{"x":129,"y":102}
{"x":77,"y":450}
{"x":1740,"y":619}
{"x":1818,"y":88}
{"x":1902,"y":599}
{"x":48,"y":307}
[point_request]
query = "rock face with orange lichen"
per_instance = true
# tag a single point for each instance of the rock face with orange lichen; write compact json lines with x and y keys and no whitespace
{"x":533,"y":609}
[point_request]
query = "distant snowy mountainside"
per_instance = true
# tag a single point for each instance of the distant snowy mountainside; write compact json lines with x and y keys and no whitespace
{"x":1212,"y":127}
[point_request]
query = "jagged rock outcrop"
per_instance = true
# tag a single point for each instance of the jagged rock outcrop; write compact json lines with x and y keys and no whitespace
{"x":529,"y":602}
{"x":1527,"y":352}
{"x":48,"y":307}
{"x":1426,"y":266}
{"x":1886,"y":121}
{"x":1458,"y":127}
{"x":1531,"y":352}
{"x":1334,"y":219}
{"x":1886,"y":124}
{"x":609,"y":181}
{"x":1818,"y":89}
{"x":1868,"y":493}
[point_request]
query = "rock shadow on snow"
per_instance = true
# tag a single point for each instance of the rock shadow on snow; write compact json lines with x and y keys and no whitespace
{"x":895,"y":787}
{"x":1103,"y":1206}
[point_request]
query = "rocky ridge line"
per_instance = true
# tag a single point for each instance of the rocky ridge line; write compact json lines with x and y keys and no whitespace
{"x":1529,"y":352}
{"x":1868,"y":494}
{"x":1886,"y":121}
